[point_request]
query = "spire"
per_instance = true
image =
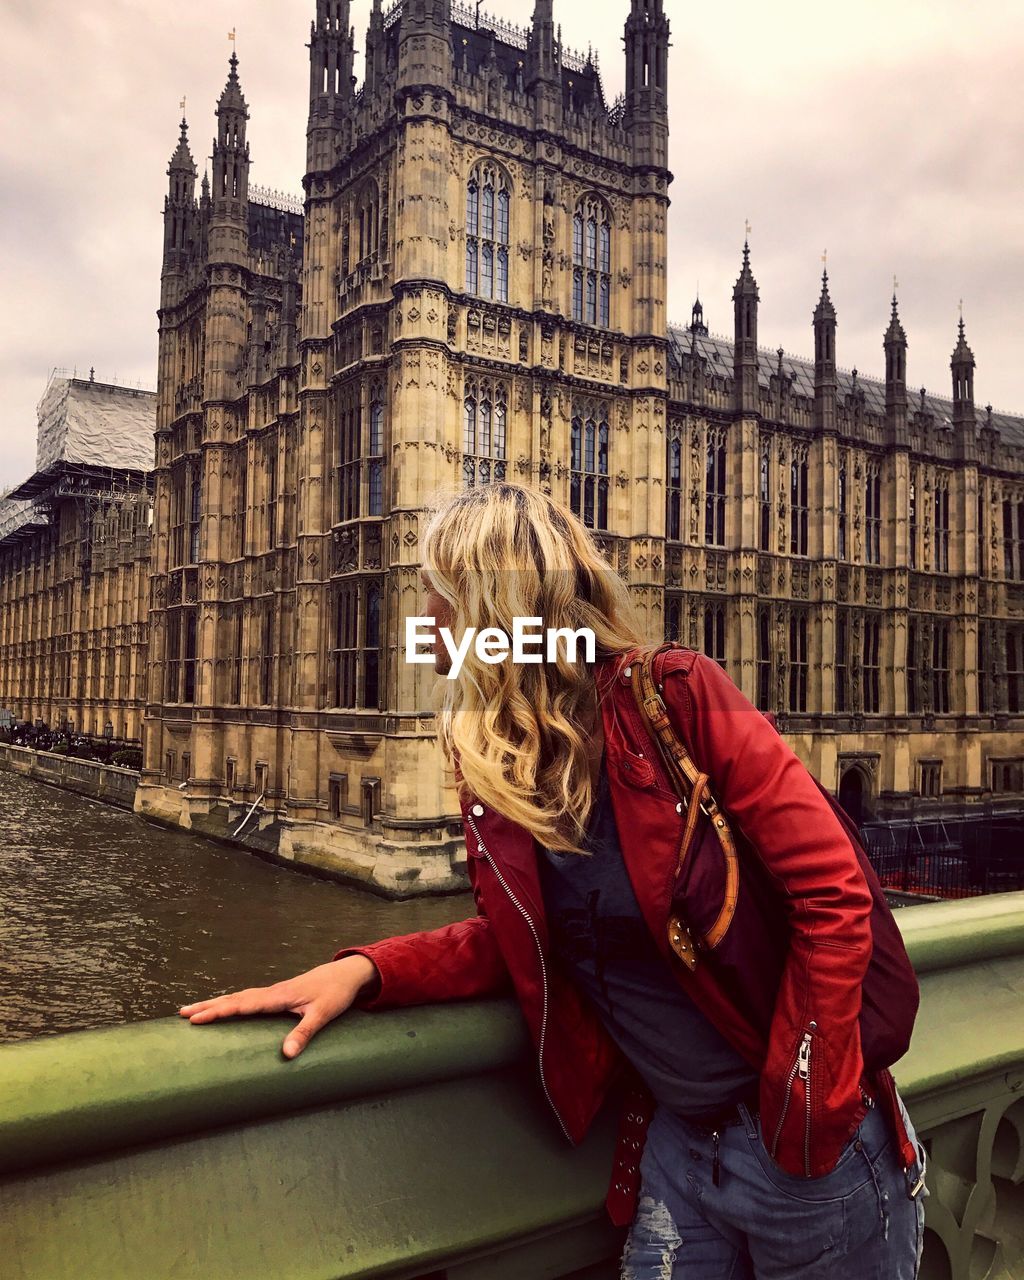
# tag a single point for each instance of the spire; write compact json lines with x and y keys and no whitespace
{"x":181,"y":160}
{"x":697,"y":324}
{"x":745,"y":282}
{"x":895,"y":345}
{"x":179,"y":203}
{"x":896,"y":406}
{"x":824,"y":330}
{"x":962,"y":366}
{"x":230,"y":149}
{"x":962,"y":354}
{"x":231,"y":98}
{"x":895,"y":332}
{"x":824,"y":310}
{"x":746,"y":285}
{"x":826,"y":385}
{"x":745,"y":298}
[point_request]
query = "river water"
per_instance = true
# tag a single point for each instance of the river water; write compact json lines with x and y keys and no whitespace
{"x":106,"y":919}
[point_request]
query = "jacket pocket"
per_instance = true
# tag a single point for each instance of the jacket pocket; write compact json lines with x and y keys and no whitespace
{"x":807,"y":1120}
{"x":796,"y":1103}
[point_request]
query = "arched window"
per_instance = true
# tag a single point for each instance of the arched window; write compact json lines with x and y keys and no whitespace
{"x":873,"y":514}
{"x":485,"y":424}
{"x":913,"y":520}
{"x":349,"y":454}
{"x":841,"y":548}
{"x":941,"y":500}
{"x":588,"y":484}
{"x":674,"y":490}
{"x":714,"y":488}
{"x":871,"y":673}
{"x":673,"y":618}
{"x":798,"y":503}
{"x":714,"y":632}
{"x":912,"y":669}
{"x":592,"y":262}
{"x":360,"y":232}
{"x":798,"y":660}
{"x":940,"y":667}
{"x":488,"y":196}
{"x":764,"y":658}
{"x":371,"y":648}
{"x":369,"y":221}
{"x":375,"y":451}
{"x":765,"y":497}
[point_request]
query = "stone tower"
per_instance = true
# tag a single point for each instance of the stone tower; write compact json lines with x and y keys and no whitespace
{"x":483,"y":298}
{"x":224,"y":485}
{"x":473,"y":290}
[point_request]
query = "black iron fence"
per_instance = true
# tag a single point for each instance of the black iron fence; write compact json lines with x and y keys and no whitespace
{"x":955,"y":857}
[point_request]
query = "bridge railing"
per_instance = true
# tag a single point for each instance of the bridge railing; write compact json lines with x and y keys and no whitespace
{"x":416,"y":1144}
{"x":951,"y":857}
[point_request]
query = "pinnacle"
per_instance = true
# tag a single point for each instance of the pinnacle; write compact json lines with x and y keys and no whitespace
{"x":231,"y":95}
{"x":182,"y":157}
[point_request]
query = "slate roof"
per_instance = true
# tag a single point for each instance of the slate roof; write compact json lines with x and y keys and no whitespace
{"x":718,"y":351}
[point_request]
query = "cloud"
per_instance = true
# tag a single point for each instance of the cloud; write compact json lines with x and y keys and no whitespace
{"x":888,"y":134}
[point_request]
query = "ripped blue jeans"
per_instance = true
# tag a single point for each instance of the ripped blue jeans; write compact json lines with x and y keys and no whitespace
{"x":761,"y":1223}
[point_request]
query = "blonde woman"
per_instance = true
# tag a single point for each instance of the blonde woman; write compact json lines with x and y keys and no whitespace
{"x":774,"y":1142}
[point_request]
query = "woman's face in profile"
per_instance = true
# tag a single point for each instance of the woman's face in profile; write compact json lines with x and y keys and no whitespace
{"x":438,"y":608}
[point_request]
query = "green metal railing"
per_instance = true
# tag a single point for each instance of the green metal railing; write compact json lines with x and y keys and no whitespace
{"x":415,"y":1143}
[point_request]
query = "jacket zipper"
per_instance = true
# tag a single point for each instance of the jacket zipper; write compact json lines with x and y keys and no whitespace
{"x":543,"y":968}
{"x":802,"y":1067}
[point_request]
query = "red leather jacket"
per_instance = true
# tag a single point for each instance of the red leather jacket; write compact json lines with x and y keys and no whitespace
{"x":795,"y":1020}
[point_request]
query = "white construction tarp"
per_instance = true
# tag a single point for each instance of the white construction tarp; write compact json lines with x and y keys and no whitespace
{"x":15,"y":514}
{"x":95,"y":424}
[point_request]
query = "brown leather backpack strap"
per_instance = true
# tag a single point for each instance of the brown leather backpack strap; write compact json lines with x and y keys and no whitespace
{"x":681,"y":770}
{"x":692,"y":786}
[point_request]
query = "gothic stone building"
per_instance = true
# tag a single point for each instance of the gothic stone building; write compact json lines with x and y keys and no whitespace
{"x":74,"y":564}
{"x":476,"y":289}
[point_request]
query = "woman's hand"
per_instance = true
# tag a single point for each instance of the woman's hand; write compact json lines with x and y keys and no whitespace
{"x":317,"y":996}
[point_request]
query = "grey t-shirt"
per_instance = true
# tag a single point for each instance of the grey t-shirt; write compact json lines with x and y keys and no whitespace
{"x":602,"y":941}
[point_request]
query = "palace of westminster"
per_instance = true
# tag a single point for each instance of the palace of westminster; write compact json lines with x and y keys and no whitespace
{"x":474,"y":288}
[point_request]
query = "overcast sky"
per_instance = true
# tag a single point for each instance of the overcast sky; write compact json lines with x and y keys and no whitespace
{"x":887,"y":131}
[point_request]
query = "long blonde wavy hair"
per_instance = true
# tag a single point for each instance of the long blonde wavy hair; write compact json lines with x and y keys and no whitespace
{"x":519,"y":733}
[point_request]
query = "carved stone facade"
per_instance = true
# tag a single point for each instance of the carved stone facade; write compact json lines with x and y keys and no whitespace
{"x":74,"y":565}
{"x":868,"y":563}
{"x":476,"y":289}
{"x":481,"y":295}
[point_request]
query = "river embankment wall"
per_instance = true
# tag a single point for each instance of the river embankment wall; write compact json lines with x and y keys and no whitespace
{"x":107,"y":782}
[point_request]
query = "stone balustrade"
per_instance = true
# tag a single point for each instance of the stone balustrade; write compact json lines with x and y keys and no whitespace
{"x":415,"y":1144}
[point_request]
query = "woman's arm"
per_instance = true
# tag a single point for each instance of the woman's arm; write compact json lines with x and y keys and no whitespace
{"x":761,"y":783}
{"x":455,"y":962}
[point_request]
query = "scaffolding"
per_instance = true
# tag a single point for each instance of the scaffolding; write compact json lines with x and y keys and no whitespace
{"x":88,"y":423}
